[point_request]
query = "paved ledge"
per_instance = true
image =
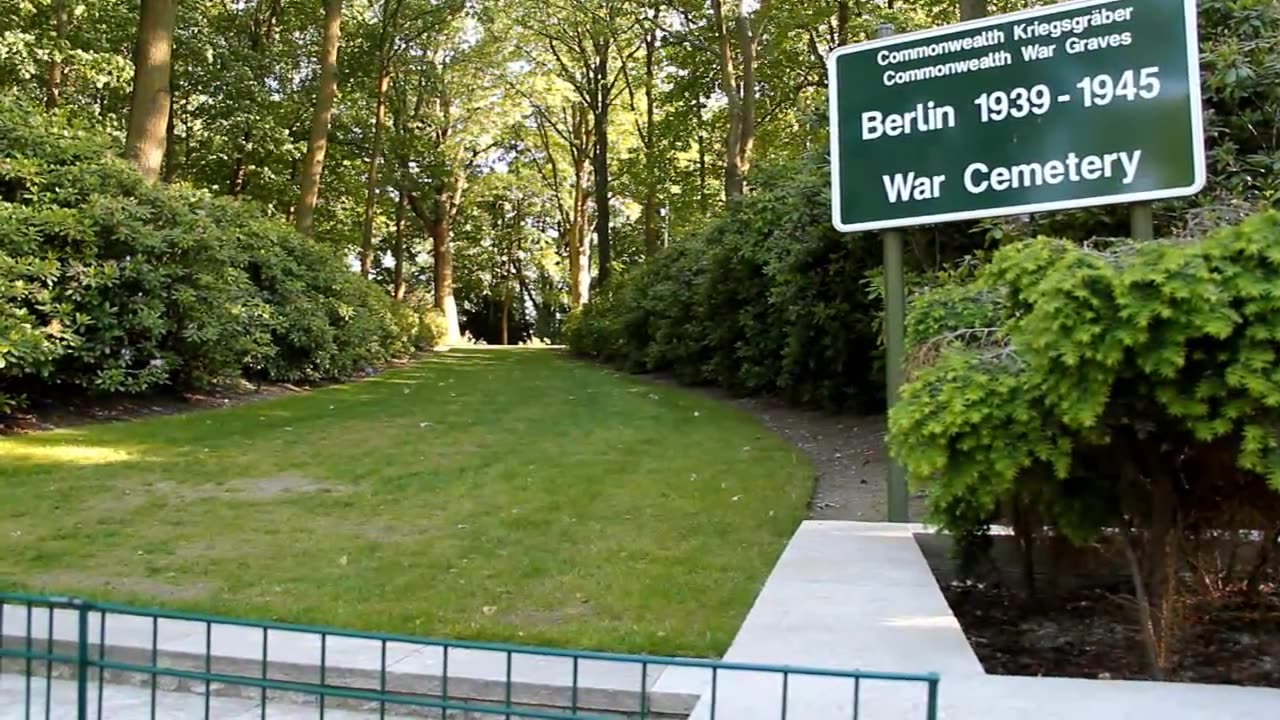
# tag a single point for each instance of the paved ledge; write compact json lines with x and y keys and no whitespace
{"x":472,"y":675}
{"x":860,"y":595}
{"x":123,"y":702}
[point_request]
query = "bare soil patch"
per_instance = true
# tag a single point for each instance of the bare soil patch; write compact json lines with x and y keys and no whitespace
{"x":90,"y":583}
{"x":1092,"y":633}
{"x":264,"y":488}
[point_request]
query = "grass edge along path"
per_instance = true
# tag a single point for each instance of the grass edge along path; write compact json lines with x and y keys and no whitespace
{"x":490,"y":494}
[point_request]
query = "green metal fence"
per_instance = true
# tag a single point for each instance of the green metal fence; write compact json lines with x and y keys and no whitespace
{"x":72,"y":658}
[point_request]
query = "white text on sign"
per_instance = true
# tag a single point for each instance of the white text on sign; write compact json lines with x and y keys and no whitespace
{"x":980,"y":177}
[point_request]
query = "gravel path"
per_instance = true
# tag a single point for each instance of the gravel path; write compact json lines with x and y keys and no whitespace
{"x":848,"y":452}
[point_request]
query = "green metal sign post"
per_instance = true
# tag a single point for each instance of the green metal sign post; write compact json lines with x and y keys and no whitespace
{"x":1073,"y":105}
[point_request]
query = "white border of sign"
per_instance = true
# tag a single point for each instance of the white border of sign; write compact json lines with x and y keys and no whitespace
{"x":1197,"y":124}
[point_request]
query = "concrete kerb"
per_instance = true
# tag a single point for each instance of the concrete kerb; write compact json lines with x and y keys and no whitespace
{"x":604,"y":687}
{"x":861,"y":595}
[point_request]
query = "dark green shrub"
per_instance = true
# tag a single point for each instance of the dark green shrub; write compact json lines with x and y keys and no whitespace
{"x":769,"y":300}
{"x":1130,"y":391}
{"x":111,"y":284}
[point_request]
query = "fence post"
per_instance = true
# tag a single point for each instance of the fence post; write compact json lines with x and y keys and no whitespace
{"x":82,"y":659}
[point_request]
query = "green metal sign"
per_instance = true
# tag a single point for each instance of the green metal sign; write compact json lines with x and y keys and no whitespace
{"x":1076,"y":104}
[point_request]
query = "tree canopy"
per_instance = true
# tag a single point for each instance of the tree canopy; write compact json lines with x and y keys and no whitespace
{"x":409,"y":135}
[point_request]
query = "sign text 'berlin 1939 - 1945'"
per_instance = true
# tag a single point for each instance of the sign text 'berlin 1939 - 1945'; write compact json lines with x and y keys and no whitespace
{"x":1077,"y":104}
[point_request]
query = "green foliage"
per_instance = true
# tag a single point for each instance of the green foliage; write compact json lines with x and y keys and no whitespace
{"x":1240,"y":76}
{"x":111,"y":284}
{"x":1079,"y":379}
{"x":766,"y":301}
{"x":420,"y":326}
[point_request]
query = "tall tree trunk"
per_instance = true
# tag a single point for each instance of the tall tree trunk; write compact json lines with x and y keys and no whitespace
{"x":506,"y":311}
{"x":601,"y":168}
{"x":740,"y":93}
{"x":729,"y":86}
{"x":579,"y":245}
{"x":53,"y":84}
{"x":375,"y":158}
{"x":703,"y":205}
{"x":579,"y":242}
{"x":171,"y":148}
{"x":313,"y":165}
{"x":601,"y":172}
{"x":149,"y":112}
{"x":651,"y":244}
{"x":443,"y":254}
{"x":973,"y":9}
{"x":842,"y":22}
{"x":747,"y":97}
{"x":239,"y":167}
{"x":442,"y":250}
{"x":397,"y":282}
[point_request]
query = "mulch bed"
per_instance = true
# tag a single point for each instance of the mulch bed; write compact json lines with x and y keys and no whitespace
{"x":1232,"y":639}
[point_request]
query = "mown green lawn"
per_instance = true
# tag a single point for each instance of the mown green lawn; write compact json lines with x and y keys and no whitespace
{"x":496,"y":494}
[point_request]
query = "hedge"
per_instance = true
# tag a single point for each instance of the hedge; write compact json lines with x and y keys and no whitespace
{"x":110,"y":284}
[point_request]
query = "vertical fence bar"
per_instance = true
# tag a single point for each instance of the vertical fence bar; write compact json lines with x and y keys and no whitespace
{"x":506,"y":693}
{"x":30,"y":649}
{"x":82,"y":661}
{"x":102,"y":656}
{"x":713,"y":694}
{"x":263,"y":696}
{"x":573,"y":691}
{"x":208,"y":664}
{"x":857,"y":689}
{"x":786,"y":676}
{"x":444,"y":678}
{"x":324,"y":654}
{"x":382,"y":683}
{"x":933,"y":700}
{"x":644,"y":685}
{"x":324,"y":669}
{"x":155,"y":660}
{"x":48,"y":666}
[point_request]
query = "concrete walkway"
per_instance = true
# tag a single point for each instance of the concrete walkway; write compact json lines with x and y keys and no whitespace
{"x":860,"y":595}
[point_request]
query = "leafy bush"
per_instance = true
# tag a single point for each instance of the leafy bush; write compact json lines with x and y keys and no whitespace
{"x":1132,"y":387}
{"x":768,"y":301}
{"x":421,"y":325}
{"x":112,"y":284}
{"x":1240,"y":77}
